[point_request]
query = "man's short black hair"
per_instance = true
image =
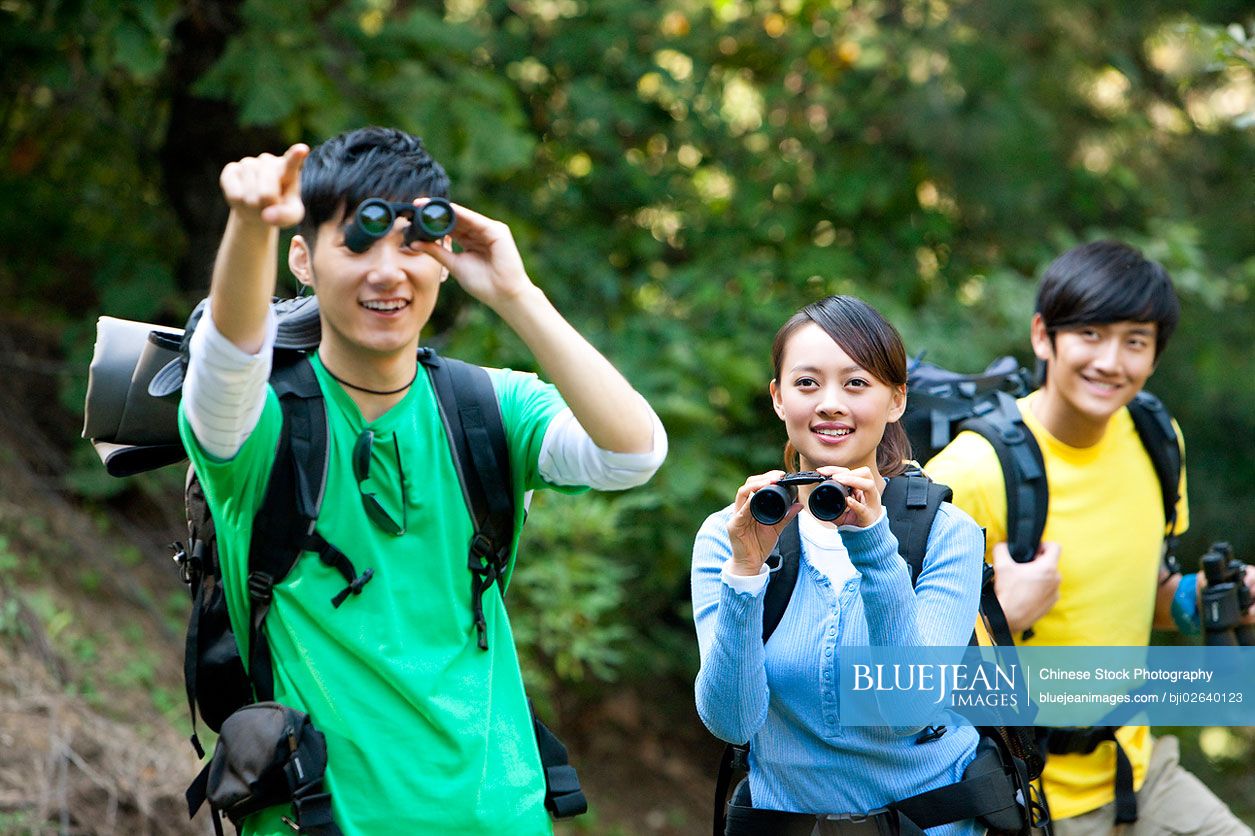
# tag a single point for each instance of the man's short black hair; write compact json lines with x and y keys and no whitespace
{"x":368,"y":162}
{"x":1104,"y":282}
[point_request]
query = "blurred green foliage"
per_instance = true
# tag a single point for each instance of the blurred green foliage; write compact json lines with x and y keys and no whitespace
{"x":568,"y":596}
{"x":681,"y":176}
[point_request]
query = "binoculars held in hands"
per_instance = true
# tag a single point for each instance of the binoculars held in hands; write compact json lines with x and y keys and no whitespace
{"x":769,"y":505}
{"x":1225,"y":599}
{"x":375,"y":216}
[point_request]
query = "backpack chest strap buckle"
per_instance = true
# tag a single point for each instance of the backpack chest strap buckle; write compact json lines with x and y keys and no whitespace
{"x":260,"y":586}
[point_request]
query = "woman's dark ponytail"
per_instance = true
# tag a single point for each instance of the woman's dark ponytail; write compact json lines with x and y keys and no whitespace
{"x":894,"y":450}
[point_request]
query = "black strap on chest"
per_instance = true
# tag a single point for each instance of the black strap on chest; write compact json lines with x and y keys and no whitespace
{"x":284,"y":525}
{"x":784,"y":561}
{"x":481,"y":457}
{"x":911,"y":501}
{"x":1023,"y":472}
{"x":1159,"y":437}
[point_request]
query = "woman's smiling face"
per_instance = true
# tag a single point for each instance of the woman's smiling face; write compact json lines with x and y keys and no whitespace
{"x":833,"y":409}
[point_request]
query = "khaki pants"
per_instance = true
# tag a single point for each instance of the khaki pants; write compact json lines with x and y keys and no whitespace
{"x":1171,"y":802}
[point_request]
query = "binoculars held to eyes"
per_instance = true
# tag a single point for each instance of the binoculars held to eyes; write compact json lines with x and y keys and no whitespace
{"x":375,"y":216}
{"x":1225,"y":599}
{"x":769,"y":505}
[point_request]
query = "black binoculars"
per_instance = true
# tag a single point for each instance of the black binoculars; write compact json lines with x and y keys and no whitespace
{"x":375,"y":216}
{"x":1225,"y":599}
{"x":827,"y":502}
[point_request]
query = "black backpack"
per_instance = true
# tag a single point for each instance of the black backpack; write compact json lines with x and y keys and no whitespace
{"x":911,"y":501}
{"x":284,"y":527}
{"x":942,"y":403}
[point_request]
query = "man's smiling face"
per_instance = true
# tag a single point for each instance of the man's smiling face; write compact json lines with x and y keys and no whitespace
{"x":372,"y":303}
{"x":1094,"y":370}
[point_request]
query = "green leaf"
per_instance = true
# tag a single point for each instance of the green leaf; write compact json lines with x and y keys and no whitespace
{"x":138,"y":51}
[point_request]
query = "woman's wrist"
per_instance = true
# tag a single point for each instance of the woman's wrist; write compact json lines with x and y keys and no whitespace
{"x":745,"y":584}
{"x":745,"y":568}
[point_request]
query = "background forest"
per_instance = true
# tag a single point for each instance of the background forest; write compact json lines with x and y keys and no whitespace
{"x":681,"y":176}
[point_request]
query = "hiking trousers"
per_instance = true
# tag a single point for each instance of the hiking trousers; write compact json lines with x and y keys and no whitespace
{"x":1171,"y":802}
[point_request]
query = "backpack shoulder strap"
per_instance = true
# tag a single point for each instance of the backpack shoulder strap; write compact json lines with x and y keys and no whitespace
{"x":911,"y":501}
{"x":784,"y":561}
{"x":1023,"y":471}
{"x":786,"y":555}
{"x":1159,"y":437}
{"x":471,"y":416}
{"x":285,"y":521}
{"x":305,"y":433}
{"x":284,"y":526}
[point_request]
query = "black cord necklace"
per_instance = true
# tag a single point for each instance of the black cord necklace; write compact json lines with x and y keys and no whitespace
{"x":395,"y":391}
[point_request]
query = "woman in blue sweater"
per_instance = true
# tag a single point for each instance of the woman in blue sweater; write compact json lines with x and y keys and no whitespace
{"x":839,"y":387}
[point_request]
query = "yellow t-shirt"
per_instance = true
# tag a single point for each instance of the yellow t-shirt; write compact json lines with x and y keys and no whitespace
{"x":1106,"y":514}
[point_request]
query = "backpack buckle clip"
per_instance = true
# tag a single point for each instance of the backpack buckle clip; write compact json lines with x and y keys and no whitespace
{"x":486,"y":570}
{"x":260,"y":586}
{"x":354,"y":588}
{"x":482,"y":547}
{"x":930,"y":734}
{"x":1013,"y":435}
{"x":182,"y":560}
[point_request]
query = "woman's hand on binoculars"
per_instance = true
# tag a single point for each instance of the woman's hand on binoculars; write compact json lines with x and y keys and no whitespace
{"x":489,"y":266}
{"x":751,"y":540}
{"x":862,"y":506}
{"x":266,"y":188}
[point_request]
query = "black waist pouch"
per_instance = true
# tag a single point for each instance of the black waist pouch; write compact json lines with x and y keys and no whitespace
{"x":1010,"y":800}
{"x":1007,"y":816}
{"x":267,"y":754}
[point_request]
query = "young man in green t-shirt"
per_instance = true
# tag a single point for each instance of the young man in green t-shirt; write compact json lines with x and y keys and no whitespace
{"x":426,"y":732}
{"x":1104,"y":314}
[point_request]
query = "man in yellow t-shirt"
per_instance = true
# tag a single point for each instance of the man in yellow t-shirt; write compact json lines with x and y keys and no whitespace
{"x":1104,"y":314}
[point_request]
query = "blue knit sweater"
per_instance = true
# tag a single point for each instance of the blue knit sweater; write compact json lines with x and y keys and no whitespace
{"x":783,"y":698}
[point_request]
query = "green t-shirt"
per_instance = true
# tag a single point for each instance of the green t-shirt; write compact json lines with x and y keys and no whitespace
{"x":426,"y":733}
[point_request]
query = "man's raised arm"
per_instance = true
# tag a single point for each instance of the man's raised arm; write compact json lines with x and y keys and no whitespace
{"x":490,"y":268}
{"x":264,"y":194}
{"x":224,"y":391}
